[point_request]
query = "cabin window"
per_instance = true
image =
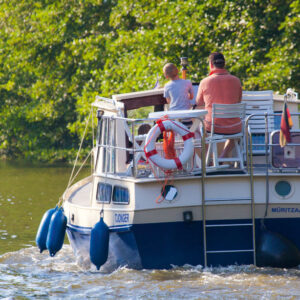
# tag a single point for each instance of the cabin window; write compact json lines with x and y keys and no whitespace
{"x":283,"y":188}
{"x":120,"y":195}
{"x":103,"y":192}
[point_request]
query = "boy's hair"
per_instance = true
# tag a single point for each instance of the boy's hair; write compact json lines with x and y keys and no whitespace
{"x":217,"y":59}
{"x":170,"y":70}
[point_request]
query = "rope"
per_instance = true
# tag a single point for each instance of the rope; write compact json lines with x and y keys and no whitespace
{"x":159,"y":198}
{"x":71,"y":179}
{"x":168,"y":144}
{"x":78,"y":152}
{"x":78,"y":171}
{"x":176,"y":124}
{"x":83,"y":163}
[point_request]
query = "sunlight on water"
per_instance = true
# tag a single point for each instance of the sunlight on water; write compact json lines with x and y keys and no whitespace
{"x":28,"y":274}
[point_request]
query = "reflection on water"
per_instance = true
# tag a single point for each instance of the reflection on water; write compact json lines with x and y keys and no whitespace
{"x":26,"y":192}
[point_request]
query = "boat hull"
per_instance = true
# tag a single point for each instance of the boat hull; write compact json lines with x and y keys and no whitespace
{"x":163,"y":245}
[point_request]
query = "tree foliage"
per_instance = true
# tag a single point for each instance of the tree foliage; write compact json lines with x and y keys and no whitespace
{"x":55,"y":56}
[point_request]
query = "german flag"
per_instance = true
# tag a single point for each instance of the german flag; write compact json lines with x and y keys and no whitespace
{"x":285,"y":126}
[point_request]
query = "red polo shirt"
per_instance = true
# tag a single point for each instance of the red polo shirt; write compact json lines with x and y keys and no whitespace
{"x":224,"y":88}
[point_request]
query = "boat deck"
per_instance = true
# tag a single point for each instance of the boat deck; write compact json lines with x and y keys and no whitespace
{"x":81,"y":192}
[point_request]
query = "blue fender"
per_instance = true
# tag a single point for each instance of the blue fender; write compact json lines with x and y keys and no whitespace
{"x":275,"y":250}
{"x":56,"y":232}
{"x":42,"y":232}
{"x":99,"y":244}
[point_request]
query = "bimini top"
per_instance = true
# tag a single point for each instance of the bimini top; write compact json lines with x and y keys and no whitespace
{"x":141,"y":94}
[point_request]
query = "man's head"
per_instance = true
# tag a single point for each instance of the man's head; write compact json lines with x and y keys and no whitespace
{"x":170,"y":71}
{"x":217,"y":60}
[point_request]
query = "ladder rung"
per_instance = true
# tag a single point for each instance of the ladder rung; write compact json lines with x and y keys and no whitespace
{"x":228,"y":159}
{"x":224,"y":225}
{"x":230,"y":251}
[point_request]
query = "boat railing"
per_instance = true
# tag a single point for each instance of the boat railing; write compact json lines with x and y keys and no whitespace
{"x":273,"y":156}
{"x":120,"y":149}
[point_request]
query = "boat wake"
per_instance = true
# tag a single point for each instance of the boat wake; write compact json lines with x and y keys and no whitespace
{"x":30,"y":274}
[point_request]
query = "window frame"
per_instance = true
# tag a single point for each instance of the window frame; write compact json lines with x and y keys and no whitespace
{"x":113,"y":193}
{"x":97,"y":192}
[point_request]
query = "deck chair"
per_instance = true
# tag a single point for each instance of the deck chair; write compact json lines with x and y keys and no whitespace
{"x":259,"y":102}
{"x":226,"y":111}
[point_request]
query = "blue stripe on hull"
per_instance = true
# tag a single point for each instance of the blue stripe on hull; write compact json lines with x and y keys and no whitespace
{"x":161,"y":245}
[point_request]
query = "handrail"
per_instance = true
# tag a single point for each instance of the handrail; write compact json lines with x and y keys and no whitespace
{"x":130,"y":128}
{"x":203,"y":202}
{"x":248,"y":132}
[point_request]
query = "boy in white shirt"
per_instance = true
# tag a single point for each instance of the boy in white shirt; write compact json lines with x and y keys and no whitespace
{"x":178,"y":92}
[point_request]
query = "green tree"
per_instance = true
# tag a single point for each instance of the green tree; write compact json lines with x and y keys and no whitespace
{"x":49,"y":50}
{"x":55,"y":56}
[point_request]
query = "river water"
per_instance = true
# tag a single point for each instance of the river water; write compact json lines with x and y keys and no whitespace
{"x":27,"y":191}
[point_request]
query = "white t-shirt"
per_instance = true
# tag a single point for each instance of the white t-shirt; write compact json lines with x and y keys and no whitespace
{"x":178,"y":91}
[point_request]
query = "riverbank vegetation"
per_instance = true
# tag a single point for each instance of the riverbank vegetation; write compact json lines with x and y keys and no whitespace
{"x":55,"y":56}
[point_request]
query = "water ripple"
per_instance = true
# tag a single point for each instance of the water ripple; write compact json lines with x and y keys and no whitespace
{"x":28,"y":274}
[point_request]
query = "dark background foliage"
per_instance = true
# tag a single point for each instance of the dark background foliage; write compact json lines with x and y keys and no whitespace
{"x":55,"y":56}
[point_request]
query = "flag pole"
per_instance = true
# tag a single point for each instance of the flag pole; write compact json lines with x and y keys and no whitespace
{"x":286,"y":124}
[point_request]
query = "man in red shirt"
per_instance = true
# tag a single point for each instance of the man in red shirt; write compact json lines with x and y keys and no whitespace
{"x":224,"y":88}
